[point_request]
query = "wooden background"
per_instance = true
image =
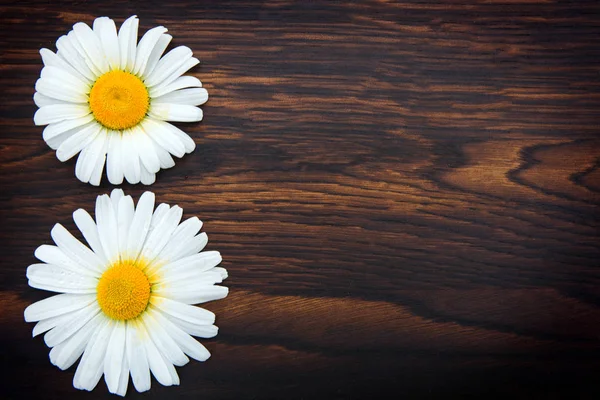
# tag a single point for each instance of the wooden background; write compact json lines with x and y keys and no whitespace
{"x":405,"y":195}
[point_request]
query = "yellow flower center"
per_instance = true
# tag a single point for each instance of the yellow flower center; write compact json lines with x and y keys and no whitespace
{"x":123,"y":291}
{"x":119,"y":100}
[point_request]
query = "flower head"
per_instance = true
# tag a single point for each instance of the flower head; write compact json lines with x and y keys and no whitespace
{"x":126,"y":301}
{"x":107,"y":97}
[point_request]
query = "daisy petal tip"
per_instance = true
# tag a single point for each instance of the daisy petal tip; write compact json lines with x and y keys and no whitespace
{"x":115,"y":180}
{"x":27,"y":315}
{"x":117,"y":193}
{"x":44,"y":52}
{"x":37,"y":119}
{"x":37,"y":253}
{"x":148,"y":196}
{"x":80,"y":26}
{"x":56,"y":229}
{"x":79,"y":213}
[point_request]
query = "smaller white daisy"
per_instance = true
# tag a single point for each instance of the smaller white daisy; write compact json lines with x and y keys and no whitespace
{"x":107,"y":97}
{"x":126,"y":303}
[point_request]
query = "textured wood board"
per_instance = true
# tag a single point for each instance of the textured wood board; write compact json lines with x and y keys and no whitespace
{"x":405,"y":195}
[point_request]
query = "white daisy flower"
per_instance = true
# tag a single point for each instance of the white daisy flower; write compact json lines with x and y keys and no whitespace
{"x":126,"y":303}
{"x":107,"y":97}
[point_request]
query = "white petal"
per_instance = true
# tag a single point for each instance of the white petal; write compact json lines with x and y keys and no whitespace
{"x":163,"y":342}
{"x":57,"y":305}
{"x":127,"y":42}
{"x":68,"y":52}
{"x":56,"y":141}
{"x":145,"y":47}
{"x":115,"y":197}
{"x":86,"y":224}
{"x":183,"y":311}
{"x":136,"y":357}
{"x":58,"y":112}
{"x":168,"y":66}
{"x":184,"y":138}
{"x":58,"y":90}
{"x":187,"y":247}
{"x":159,"y":213}
{"x":172,"y":371}
{"x":190,"y":97}
{"x":106,"y":31}
{"x":198,"y":328}
{"x":92,"y":46}
{"x":49,"y":323}
{"x":222,"y":271}
{"x":75,"y":323}
{"x":124,"y":379}
{"x":140,"y":225}
{"x":89,"y":157}
{"x":158,"y":365}
{"x":179,"y":83}
{"x":175,"y":112}
{"x":166,"y":161}
{"x":164,"y":136}
{"x":96,"y":176}
{"x":114,"y":158}
{"x":188,"y":344}
{"x":84,"y":162}
{"x":66,"y":79}
{"x":130,"y":158}
{"x":89,"y":371}
{"x":192,"y":281}
{"x":72,"y":37}
{"x":124,"y":217}
{"x":146,"y":177}
{"x":42,"y":100}
{"x":51,"y":59}
{"x":54,"y":255}
{"x":148,"y":156}
{"x":56,"y":128}
{"x":156,"y":53}
{"x":182,"y":69}
{"x":196,"y":263}
{"x":106,"y":218}
{"x":66,"y":353}
{"x":75,"y":249}
{"x":113,"y":360}
{"x":64,"y":280}
{"x":76,"y":142}
{"x":55,"y":134}
{"x":51,"y":288}
{"x":197,"y":295}
{"x":160,"y":235}
{"x":196,"y":245}
{"x":184,"y":232}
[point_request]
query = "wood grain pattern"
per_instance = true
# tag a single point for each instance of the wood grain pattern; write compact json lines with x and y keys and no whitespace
{"x":405,"y":195}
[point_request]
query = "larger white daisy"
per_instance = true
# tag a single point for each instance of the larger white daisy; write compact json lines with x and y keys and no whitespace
{"x":126,"y":303}
{"x":108,"y":97}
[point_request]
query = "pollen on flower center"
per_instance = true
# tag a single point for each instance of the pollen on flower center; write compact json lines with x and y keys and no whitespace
{"x":123,"y":291}
{"x":119,"y":100}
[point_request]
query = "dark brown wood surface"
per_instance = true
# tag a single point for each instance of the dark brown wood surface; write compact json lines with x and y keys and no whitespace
{"x":405,"y":195}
